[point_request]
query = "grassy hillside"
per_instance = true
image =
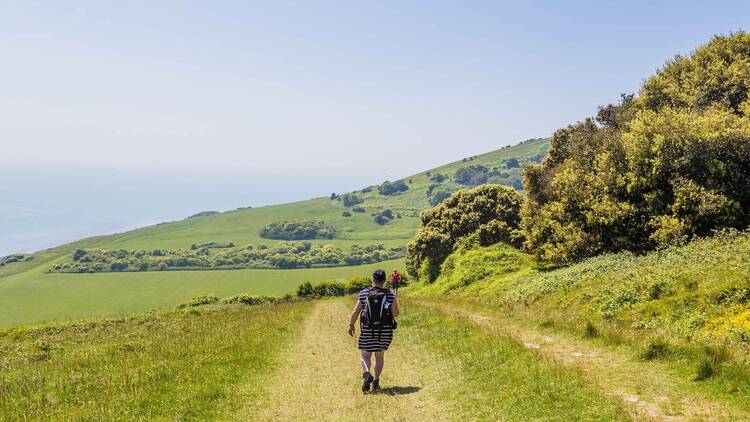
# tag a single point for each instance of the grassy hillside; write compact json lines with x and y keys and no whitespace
{"x":267,"y":362}
{"x":688,"y":305}
{"x":28,"y":294}
{"x":170,"y":366}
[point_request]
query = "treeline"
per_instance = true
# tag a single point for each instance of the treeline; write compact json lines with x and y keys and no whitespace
{"x":353,"y":285}
{"x":655,"y":169}
{"x":306,"y":290}
{"x":286,"y":255}
{"x":298,"y":230}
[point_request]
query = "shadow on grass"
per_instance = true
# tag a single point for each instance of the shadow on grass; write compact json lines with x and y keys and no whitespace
{"x":397,"y":391}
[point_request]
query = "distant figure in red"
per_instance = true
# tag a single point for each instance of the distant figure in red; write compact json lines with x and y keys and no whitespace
{"x":395,"y":280}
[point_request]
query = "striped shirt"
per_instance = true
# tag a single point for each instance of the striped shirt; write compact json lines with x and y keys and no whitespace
{"x":379,"y":339}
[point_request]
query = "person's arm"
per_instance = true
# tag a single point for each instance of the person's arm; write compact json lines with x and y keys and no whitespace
{"x":355,"y":314}
{"x":394,"y":306}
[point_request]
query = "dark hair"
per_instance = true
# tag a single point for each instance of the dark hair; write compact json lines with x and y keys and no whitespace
{"x":378,"y":275}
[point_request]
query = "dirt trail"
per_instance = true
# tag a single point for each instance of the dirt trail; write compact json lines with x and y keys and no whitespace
{"x":321,"y":379}
{"x":647,"y":391}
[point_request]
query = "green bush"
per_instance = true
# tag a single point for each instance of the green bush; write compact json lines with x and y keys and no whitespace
{"x":473,"y":175}
{"x":356,"y":284}
{"x":654,"y":170}
{"x":438,"y":192}
{"x":247,"y":299}
{"x":382,"y":217}
{"x":351,"y":199}
{"x":204,"y":214}
{"x":490,"y":211}
{"x":210,"y":245}
{"x":437,"y":177}
{"x":346,"y":214}
{"x":590,"y":330}
{"x":392,"y":188}
{"x":655,"y":349}
{"x":11,"y":259}
{"x":512,"y":163}
{"x":298,"y":230}
{"x":199,"y":301}
{"x":322,"y":289}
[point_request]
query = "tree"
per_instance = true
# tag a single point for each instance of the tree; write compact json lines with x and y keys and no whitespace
{"x":655,"y":169}
{"x":473,"y":175}
{"x":351,"y":199}
{"x":392,"y":188}
{"x":491,"y":212}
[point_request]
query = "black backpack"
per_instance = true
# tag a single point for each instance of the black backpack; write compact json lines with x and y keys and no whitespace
{"x":376,"y":315}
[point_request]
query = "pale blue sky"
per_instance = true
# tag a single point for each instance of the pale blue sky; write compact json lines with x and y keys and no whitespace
{"x":305,"y":97}
{"x":276,"y":84}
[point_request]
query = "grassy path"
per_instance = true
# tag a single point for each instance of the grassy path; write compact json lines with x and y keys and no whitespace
{"x":646,"y":388}
{"x":321,"y":378}
{"x":438,"y":368}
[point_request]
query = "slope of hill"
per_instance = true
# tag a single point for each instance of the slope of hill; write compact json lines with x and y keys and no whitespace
{"x":235,"y":362}
{"x":686,"y":307}
{"x":238,"y":362}
{"x":29,"y":294}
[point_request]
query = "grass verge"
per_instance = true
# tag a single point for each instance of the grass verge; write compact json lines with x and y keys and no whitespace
{"x":180,"y":365}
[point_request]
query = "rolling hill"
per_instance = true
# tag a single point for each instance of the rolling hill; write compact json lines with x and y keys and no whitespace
{"x":29,"y":294}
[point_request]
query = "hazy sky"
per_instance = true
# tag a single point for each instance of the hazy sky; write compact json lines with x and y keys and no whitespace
{"x":319,"y":85}
{"x":130,"y":112}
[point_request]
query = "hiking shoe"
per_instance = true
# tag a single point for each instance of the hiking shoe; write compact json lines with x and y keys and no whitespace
{"x":376,"y":386}
{"x":367,"y":381}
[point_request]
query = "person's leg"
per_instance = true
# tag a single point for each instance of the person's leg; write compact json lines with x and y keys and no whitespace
{"x":379,"y":361}
{"x":365,"y":359}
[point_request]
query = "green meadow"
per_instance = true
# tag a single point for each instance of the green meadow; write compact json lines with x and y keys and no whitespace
{"x":28,"y":294}
{"x":35,"y":296}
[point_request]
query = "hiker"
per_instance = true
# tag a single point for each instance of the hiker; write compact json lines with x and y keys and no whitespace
{"x":376,"y":309}
{"x":395,"y":281}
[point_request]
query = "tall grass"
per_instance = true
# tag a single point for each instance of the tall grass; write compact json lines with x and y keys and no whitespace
{"x":672,"y":304}
{"x":179,"y":365}
{"x":500,"y":379}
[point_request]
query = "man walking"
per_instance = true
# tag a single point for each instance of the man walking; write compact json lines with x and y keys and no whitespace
{"x":376,"y":309}
{"x":395,"y":281}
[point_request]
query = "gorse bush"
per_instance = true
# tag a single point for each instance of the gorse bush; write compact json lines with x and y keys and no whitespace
{"x":656,"y":169}
{"x":489,"y":212}
{"x":298,"y":230}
